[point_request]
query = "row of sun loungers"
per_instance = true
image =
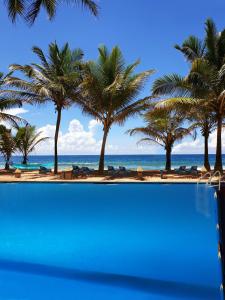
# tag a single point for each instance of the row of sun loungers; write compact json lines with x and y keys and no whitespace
{"x":83,"y":171}
{"x":77,"y":171}
{"x":121,"y":171}
{"x":182,"y":170}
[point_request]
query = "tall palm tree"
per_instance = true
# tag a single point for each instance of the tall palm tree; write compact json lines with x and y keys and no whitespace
{"x":30,"y":10}
{"x":7,"y":145}
{"x":164,"y":127}
{"x":110,"y":89}
{"x":203,"y":118}
{"x":207,"y":74}
{"x":27,"y":138}
{"x":56,"y":79}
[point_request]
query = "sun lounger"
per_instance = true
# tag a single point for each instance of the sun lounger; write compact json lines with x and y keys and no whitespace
{"x":87,"y":170}
{"x":180,"y":170}
{"x":192,"y":171}
{"x":112,"y":171}
{"x":123,"y":171}
{"x":76,"y":171}
{"x":44,"y":170}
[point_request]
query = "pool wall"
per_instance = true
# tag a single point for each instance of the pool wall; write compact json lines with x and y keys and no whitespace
{"x":221,"y":222}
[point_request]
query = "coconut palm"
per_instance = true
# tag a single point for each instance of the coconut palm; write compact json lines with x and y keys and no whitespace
{"x":30,"y":10}
{"x":203,"y":119}
{"x":164,"y":126}
{"x":206,"y":122}
{"x":56,"y":79}
{"x":27,"y":138}
{"x":206,"y":78}
{"x":110,"y":89}
{"x":7,"y":145}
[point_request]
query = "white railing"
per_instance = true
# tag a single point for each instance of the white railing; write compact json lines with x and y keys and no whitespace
{"x":214,"y":175}
{"x":203,"y":176}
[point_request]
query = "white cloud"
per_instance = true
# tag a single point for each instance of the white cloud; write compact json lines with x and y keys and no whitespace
{"x":76,"y":140}
{"x":197,"y":146}
{"x":15,"y":111}
{"x":189,"y":147}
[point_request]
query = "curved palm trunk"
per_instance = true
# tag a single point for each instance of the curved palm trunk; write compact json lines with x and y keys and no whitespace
{"x":168,"y":158}
{"x":206,"y":153}
{"x":218,"y":163}
{"x":59,"y":111}
{"x":102,"y":154}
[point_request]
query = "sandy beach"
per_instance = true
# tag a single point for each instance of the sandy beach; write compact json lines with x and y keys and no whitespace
{"x":148,"y":176}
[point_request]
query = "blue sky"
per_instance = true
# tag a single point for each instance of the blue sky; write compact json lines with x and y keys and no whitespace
{"x":144,"y":29}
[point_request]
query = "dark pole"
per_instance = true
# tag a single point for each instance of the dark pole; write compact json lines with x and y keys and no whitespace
{"x":221,"y":228}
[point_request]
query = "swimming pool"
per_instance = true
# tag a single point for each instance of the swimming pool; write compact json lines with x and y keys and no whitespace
{"x":108,"y":241}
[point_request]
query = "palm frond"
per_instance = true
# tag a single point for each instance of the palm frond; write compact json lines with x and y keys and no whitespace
{"x":173,"y":84}
{"x":192,"y":48}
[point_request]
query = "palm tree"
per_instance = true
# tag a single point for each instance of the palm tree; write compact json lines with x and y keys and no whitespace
{"x":164,"y":127}
{"x":109,"y":91}
{"x":30,"y":10}
{"x":27,"y":138}
{"x":203,"y":118}
{"x":206,"y":78}
{"x":7,"y":145}
{"x":56,"y":79}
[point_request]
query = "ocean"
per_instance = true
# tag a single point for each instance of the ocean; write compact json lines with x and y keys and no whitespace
{"x":147,"y":162}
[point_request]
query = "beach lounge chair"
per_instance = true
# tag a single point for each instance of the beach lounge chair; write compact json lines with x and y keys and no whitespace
{"x":75,"y":167}
{"x":76,"y":171}
{"x":192,"y":171}
{"x":180,"y":170}
{"x":123,"y":171}
{"x":112,"y":171}
{"x":44,"y":170}
{"x":87,"y":171}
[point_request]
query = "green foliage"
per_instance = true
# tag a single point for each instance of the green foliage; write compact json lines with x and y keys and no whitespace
{"x":164,"y":127}
{"x":110,"y":88}
{"x":7,"y":144}
{"x":205,"y":83}
{"x":27,"y":138}
{"x":29,"y":10}
{"x":55,"y":79}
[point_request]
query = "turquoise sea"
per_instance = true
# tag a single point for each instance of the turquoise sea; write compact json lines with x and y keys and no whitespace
{"x":147,"y":162}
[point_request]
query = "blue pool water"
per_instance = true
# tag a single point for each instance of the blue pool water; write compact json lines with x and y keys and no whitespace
{"x":108,"y":241}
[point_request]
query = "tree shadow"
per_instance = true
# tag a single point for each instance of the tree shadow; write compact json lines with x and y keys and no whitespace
{"x":168,"y":288}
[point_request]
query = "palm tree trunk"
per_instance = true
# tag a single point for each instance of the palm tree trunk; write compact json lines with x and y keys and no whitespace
{"x":25,"y":159}
{"x":7,"y":165}
{"x":7,"y":160}
{"x":168,"y":158}
{"x":102,"y":154}
{"x":218,"y":163}
{"x":206,"y":153}
{"x":59,"y":111}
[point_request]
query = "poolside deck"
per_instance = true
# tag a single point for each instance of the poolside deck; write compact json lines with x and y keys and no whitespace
{"x":148,"y":176}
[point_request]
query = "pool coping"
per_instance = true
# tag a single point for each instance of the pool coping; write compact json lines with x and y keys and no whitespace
{"x":100,"y":182}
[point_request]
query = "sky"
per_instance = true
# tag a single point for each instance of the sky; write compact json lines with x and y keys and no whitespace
{"x":144,"y":29}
